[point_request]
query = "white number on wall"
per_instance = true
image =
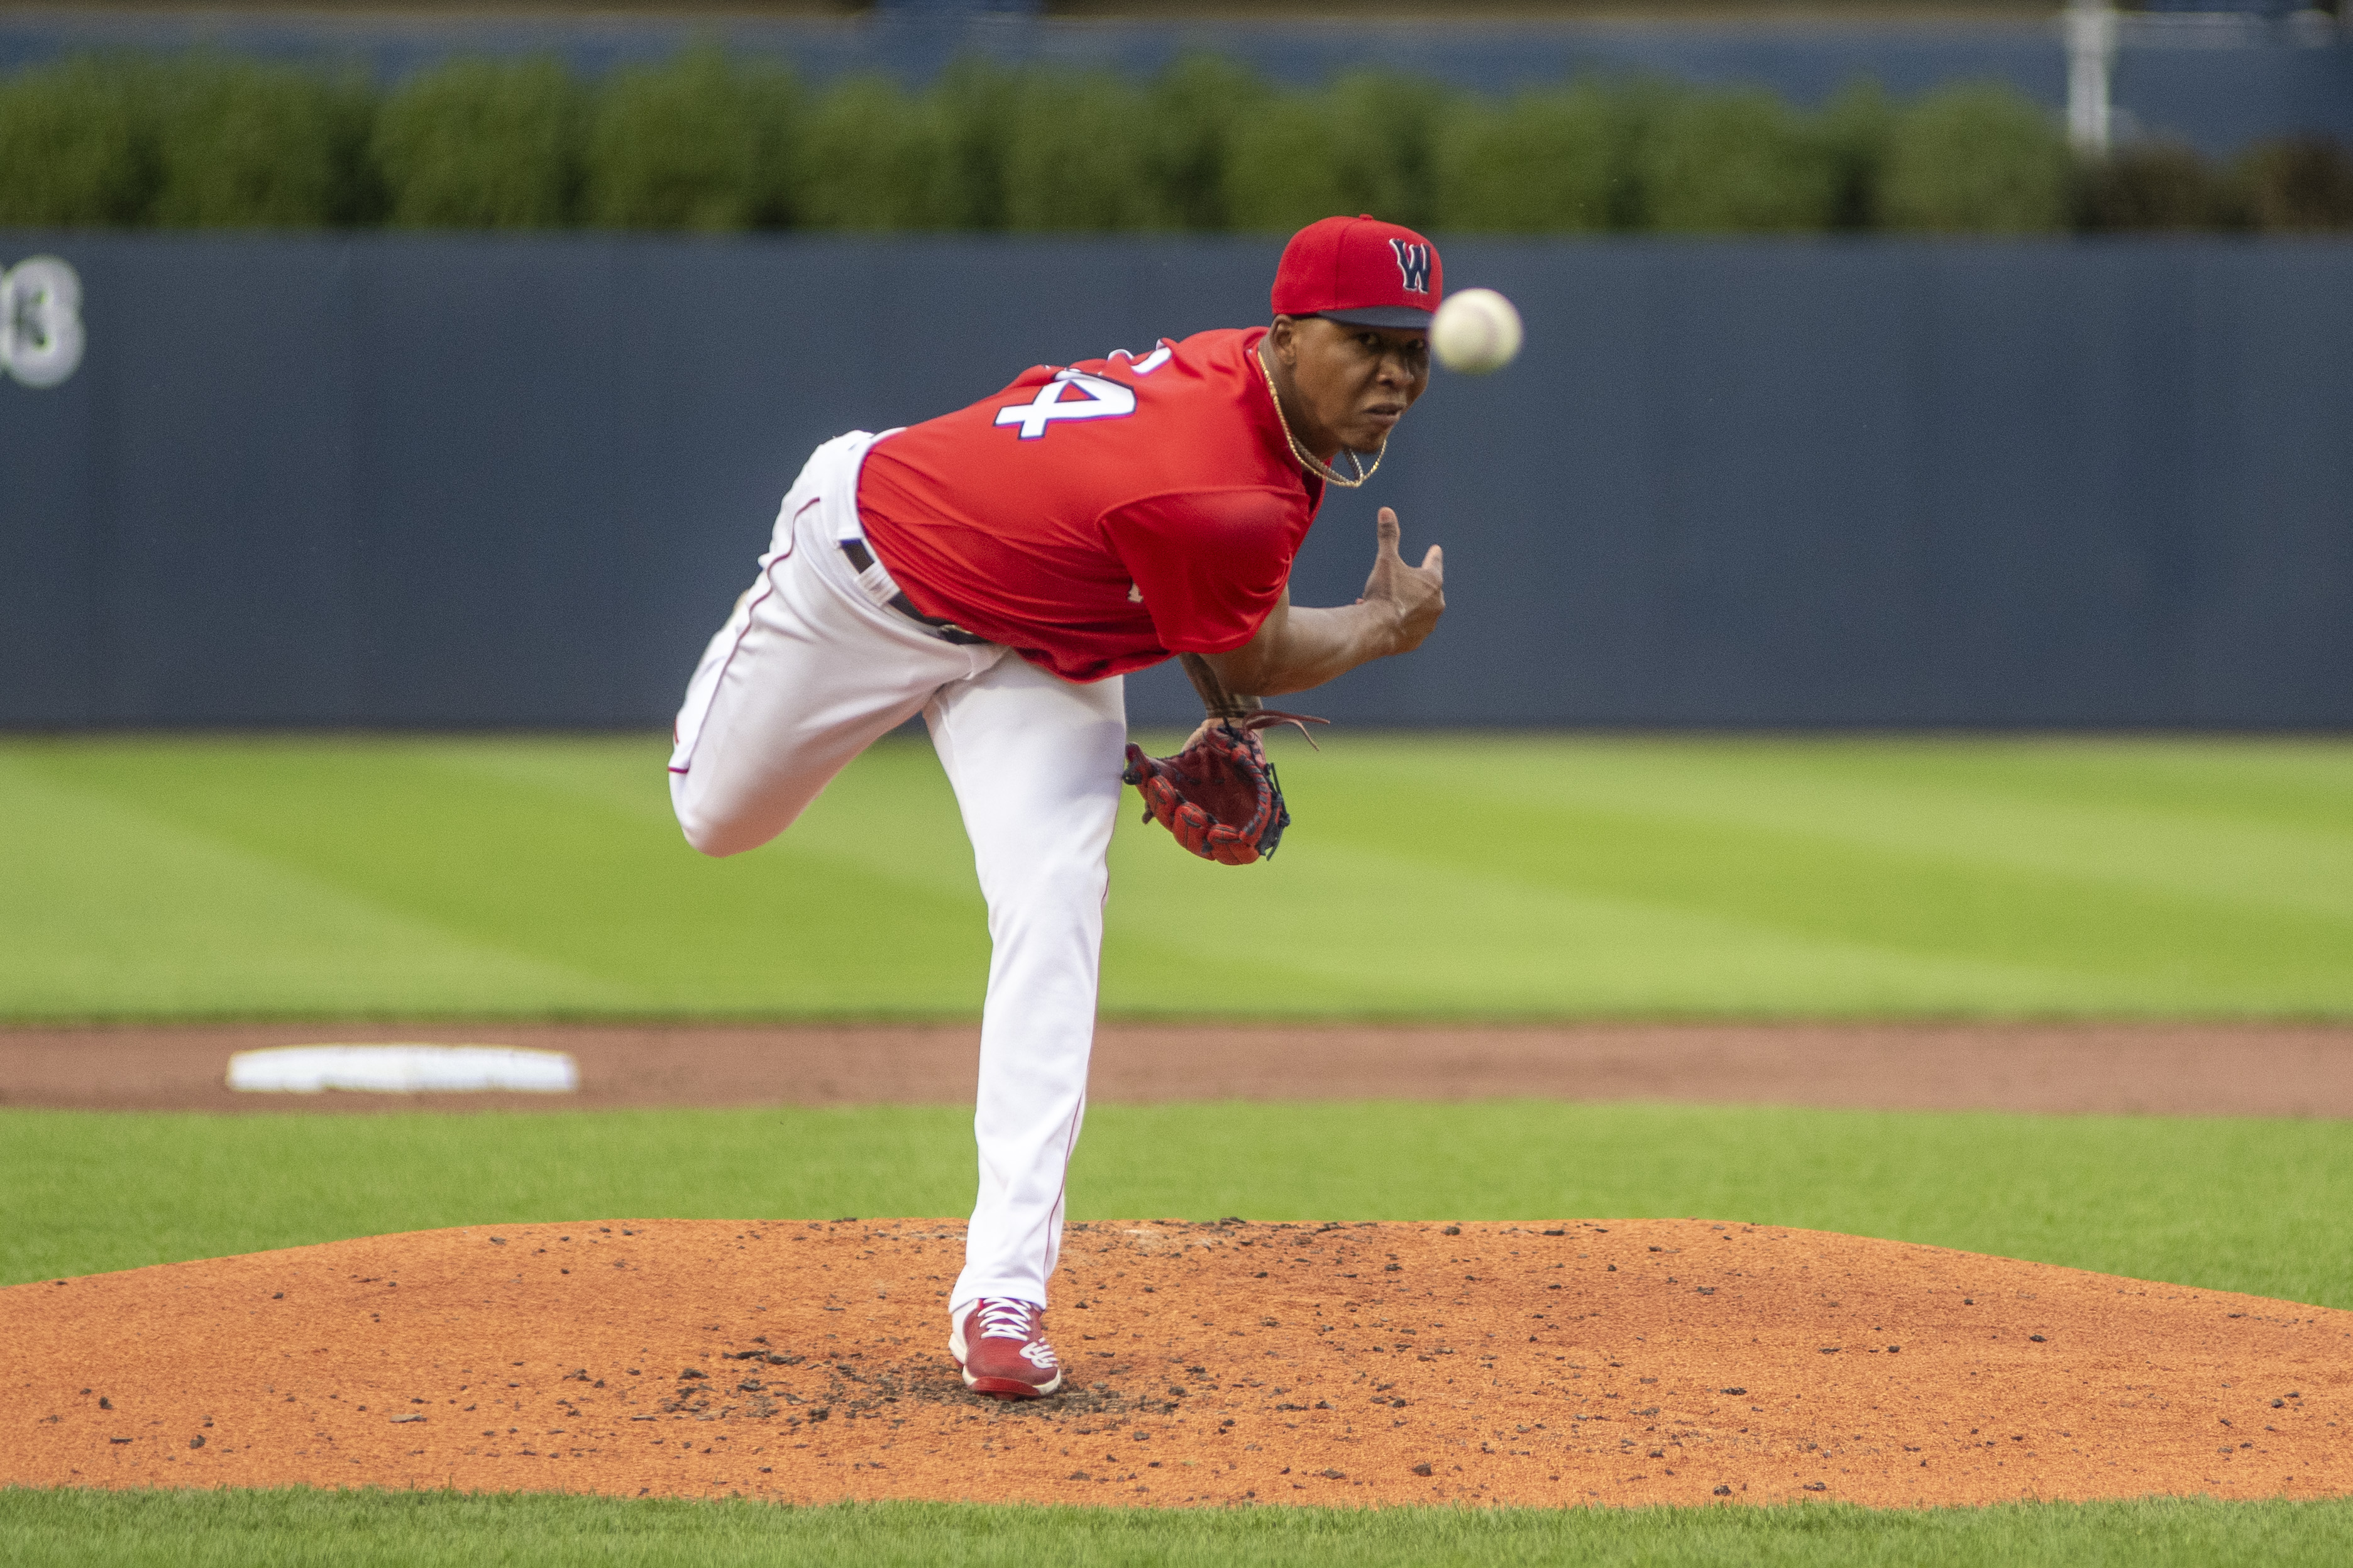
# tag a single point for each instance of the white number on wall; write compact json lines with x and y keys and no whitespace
{"x":40,"y":321}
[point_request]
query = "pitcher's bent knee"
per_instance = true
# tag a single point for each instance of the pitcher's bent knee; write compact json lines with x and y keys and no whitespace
{"x":715,"y":838}
{"x":718,"y":845}
{"x":711,"y":840}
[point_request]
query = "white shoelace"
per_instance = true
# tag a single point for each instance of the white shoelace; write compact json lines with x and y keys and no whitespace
{"x":1005,"y":1319}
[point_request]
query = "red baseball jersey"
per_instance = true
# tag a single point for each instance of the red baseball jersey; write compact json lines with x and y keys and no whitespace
{"x":1100,"y":518}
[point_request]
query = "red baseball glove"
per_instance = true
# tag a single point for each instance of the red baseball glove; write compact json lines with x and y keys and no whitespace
{"x":1219,"y":796}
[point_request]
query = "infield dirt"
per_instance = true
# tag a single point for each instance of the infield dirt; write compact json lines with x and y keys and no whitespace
{"x":2242,"y":1069}
{"x":1614,"y":1362}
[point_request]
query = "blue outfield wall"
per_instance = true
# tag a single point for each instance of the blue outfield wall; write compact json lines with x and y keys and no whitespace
{"x":460,"y":481}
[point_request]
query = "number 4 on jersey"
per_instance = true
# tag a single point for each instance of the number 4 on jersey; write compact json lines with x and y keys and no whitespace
{"x":1101,"y":400}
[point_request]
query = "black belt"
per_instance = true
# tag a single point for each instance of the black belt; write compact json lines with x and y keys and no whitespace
{"x":948,"y":631}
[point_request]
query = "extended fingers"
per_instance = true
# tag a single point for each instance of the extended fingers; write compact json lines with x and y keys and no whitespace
{"x":1435,"y":563}
{"x":1386,"y":527}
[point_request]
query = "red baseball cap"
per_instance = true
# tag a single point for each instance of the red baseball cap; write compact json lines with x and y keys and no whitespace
{"x":1361,"y":271}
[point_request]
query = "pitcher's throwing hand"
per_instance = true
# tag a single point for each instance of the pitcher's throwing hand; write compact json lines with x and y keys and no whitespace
{"x":1417,"y":594}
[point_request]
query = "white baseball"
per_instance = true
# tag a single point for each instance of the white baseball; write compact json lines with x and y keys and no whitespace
{"x":1475,"y":331}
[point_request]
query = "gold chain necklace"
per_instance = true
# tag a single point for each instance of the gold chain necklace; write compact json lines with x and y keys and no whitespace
{"x":1309,"y":460}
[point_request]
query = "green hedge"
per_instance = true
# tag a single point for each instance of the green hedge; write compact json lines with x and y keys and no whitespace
{"x":1735,"y":162}
{"x":1556,"y":161}
{"x":482,"y":145}
{"x":1975,"y":159}
{"x":78,"y":146}
{"x":709,"y":142}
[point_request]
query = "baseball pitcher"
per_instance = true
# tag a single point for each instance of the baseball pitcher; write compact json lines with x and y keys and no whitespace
{"x":998,"y":570}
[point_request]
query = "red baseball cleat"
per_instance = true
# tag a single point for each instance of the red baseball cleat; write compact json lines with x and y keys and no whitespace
{"x":1008,"y":1357}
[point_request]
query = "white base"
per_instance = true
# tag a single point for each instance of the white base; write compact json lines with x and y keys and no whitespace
{"x":402,"y":1069}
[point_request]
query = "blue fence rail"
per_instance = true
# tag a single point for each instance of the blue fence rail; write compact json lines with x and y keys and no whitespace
{"x":456,"y":481}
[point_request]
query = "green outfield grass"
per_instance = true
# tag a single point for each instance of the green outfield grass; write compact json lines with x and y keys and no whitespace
{"x":1426,"y":876}
{"x":2254,"y":1205}
{"x":261,"y":1530}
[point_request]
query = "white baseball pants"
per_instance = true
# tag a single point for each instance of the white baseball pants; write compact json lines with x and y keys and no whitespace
{"x":809,"y":670}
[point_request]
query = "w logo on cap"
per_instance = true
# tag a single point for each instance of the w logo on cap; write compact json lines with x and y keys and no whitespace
{"x":1413,"y":264}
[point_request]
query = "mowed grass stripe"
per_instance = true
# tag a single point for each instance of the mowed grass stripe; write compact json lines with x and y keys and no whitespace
{"x":109,"y":910}
{"x":2250,"y":1205}
{"x":2023,"y":935}
{"x":609,"y":900}
{"x":2266,"y":822}
{"x":1882,"y":877}
{"x":427,"y":1530}
{"x":1433,"y":877}
{"x":1373,"y":932}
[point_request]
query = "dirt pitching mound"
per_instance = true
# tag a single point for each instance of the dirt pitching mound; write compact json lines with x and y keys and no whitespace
{"x":1622,"y":1362}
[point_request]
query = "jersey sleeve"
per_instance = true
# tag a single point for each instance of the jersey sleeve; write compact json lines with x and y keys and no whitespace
{"x":1209,"y":565}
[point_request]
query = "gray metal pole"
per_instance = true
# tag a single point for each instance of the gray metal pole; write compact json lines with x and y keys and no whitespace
{"x":2091,"y":56}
